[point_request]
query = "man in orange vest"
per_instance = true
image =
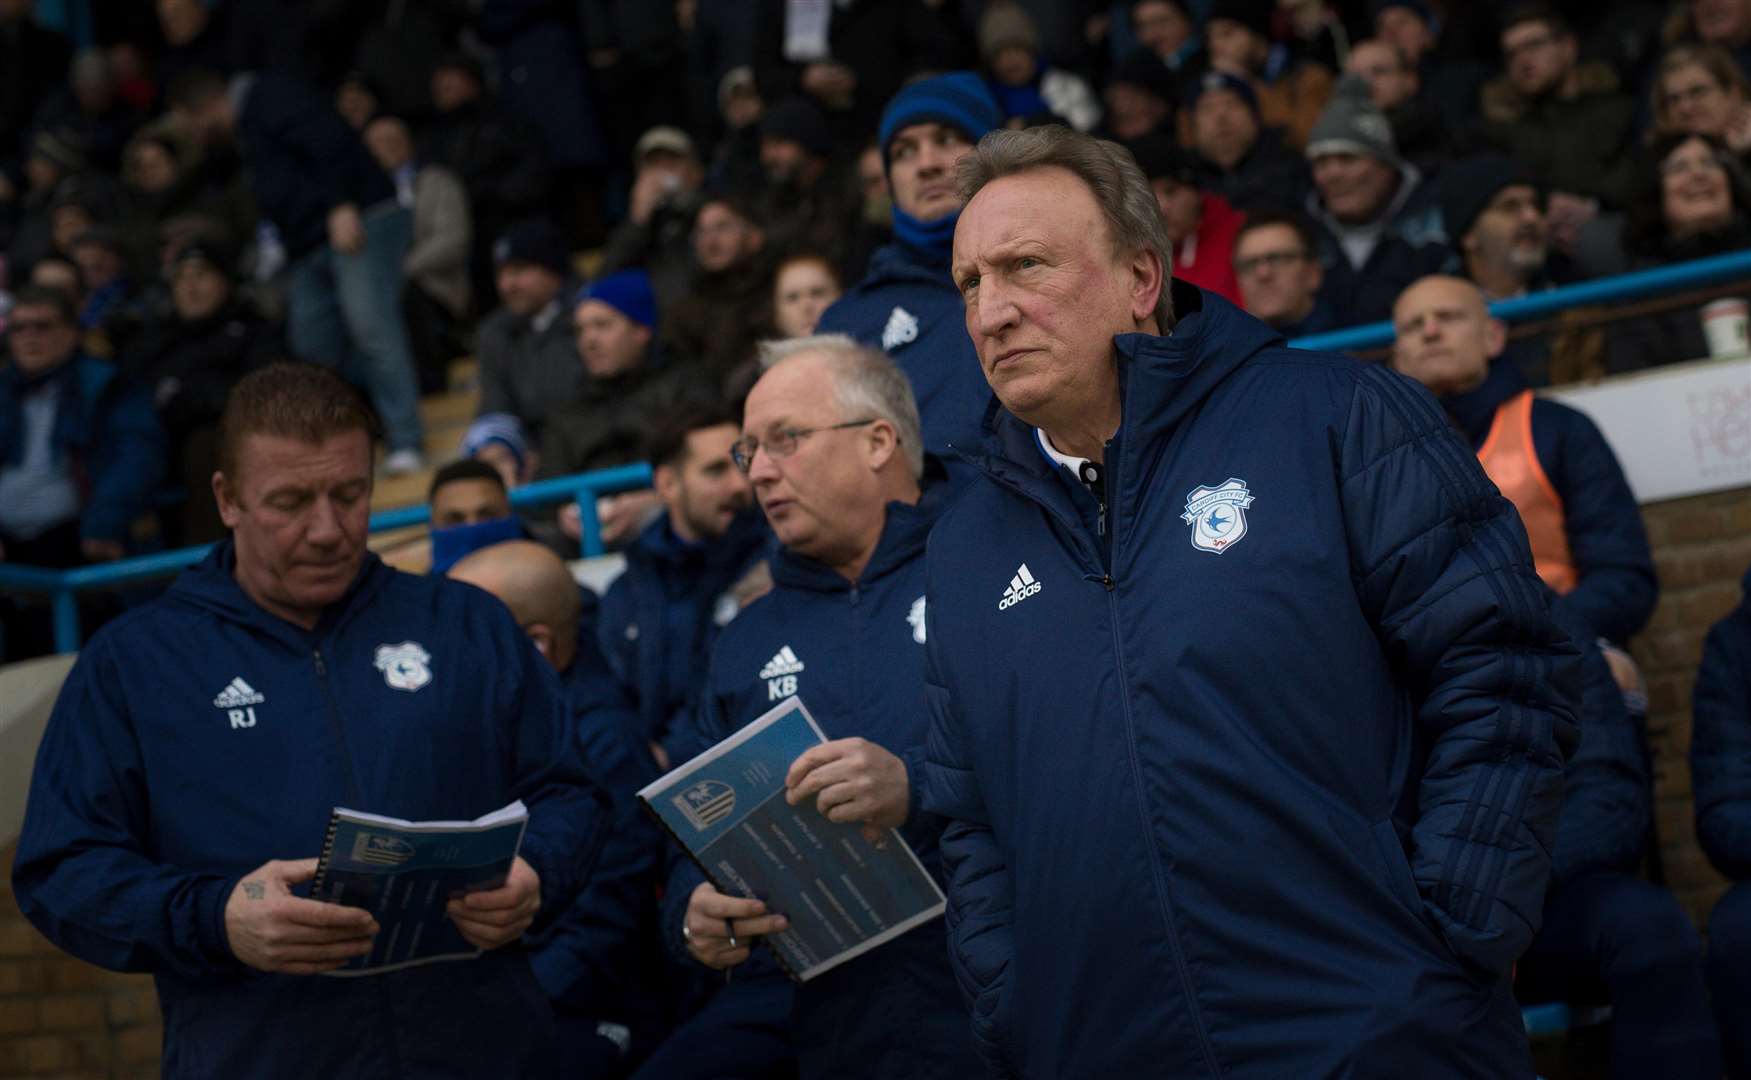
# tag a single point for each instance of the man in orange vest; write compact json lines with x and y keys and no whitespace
{"x":1604,"y":928}
{"x":1549,"y":460}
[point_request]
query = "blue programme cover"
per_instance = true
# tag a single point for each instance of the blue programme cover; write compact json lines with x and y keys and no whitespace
{"x":842,"y":894}
{"x":405,"y":872}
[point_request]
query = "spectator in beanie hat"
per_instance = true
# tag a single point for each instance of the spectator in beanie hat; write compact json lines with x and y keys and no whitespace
{"x":1140,"y":96}
{"x":1379,"y":222}
{"x":1249,"y":164}
{"x":1020,"y":79}
{"x":1290,"y":92}
{"x":809,"y":199}
{"x":528,"y":366}
{"x":908,"y":306}
{"x":499,"y":440}
{"x":1492,"y":209}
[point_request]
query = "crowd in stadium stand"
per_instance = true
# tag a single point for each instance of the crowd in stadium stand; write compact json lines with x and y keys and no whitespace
{"x":618,"y":207}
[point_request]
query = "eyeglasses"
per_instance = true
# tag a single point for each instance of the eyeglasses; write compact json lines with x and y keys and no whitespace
{"x":781,"y":443}
{"x":1276,"y":260}
{"x":33,"y":326}
{"x":1674,"y":166}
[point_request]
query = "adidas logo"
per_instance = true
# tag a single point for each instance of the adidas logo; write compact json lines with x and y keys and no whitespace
{"x":785,"y":663}
{"x":902,"y":329}
{"x":1021,"y":586}
{"x":237,"y":695}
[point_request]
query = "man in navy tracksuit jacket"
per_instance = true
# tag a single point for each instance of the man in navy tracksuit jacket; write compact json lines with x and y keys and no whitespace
{"x":599,"y":962}
{"x":906,"y":305}
{"x":842,"y":629}
{"x":215,"y":728}
{"x":1251,"y":728}
{"x":660,"y":617}
{"x":1720,"y":760}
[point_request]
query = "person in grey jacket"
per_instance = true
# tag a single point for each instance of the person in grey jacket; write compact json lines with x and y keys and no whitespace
{"x":528,"y":362}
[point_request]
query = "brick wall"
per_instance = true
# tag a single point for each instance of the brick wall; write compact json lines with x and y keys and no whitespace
{"x":1702,"y":546}
{"x":63,"y":1018}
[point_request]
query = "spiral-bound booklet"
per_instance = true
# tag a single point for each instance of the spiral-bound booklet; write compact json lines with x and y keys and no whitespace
{"x":843,"y":893}
{"x":405,"y":872}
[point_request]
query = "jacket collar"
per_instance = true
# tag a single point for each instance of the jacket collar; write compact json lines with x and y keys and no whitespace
{"x":211,"y":585}
{"x":903,"y":262}
{"x":904,"y":534}
{"x":659,"y":545}
{"x":1162,"y":380}
{"x":1473,"y":411}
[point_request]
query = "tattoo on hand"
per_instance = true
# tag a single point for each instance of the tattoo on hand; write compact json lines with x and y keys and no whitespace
{"x":255,"y":890}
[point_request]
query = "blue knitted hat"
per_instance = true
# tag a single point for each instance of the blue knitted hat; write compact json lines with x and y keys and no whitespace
{"x":1234,"y":84}
{"x":628,"y":292}
{"x":959,"y":99}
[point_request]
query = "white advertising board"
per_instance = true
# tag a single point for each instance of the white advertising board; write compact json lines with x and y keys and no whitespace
{"x":1679,"y":430}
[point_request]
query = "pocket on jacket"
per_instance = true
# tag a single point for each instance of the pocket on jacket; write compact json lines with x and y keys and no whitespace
{"x":1398,"y":867}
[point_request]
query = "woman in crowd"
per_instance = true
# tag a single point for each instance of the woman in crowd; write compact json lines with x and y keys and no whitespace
{"x":1699,"y":90}
{"x":805,"y":285}
{"x":1692,"y":199}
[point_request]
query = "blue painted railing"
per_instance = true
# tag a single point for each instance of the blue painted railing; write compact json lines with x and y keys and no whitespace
{"x":1632,"y":286}
{"x":64,"y":586}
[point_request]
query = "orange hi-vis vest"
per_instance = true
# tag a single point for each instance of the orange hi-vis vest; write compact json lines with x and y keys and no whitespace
{"x":1510,"y":459}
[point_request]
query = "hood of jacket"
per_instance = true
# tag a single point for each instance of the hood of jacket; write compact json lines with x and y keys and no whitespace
{"x":1474,"y":410}
{"x":211,"y":585}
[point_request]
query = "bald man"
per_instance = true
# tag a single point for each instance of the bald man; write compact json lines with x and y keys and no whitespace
{"x":600,"y":963}
{"x":1548,"y":459}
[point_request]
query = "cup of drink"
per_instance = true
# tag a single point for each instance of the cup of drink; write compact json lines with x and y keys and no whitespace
{"x":1724,"y":324}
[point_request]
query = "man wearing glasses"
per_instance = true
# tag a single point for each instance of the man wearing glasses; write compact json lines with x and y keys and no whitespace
{"x":1279,"y":278}
{"x":81,"y":452}
{"x":831,"y":444}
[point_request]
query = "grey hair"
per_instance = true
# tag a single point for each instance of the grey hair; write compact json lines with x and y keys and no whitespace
{"x":865,"y":384}
{"x":1119,"y":187}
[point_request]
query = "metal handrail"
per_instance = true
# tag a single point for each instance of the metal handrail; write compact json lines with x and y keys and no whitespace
{"x":64,"y":586}
{"x":1638,"y":283}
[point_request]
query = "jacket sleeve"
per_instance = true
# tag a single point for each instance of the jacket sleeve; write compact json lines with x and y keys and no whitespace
{"x":83,"y":874}
{"x":692,"y":735}
{"x":1617,"y":589}
{"x":1444,"y":572}
{"x":441,"y":203}
{"x":981,"y":894}
{"x":1720,"y":747}
{"x":127,"y":463}
{"x":1608,"y":793}
{"x":569,"y":810}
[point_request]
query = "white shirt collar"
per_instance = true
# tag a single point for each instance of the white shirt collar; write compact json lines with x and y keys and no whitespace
{"x":544,"y":318}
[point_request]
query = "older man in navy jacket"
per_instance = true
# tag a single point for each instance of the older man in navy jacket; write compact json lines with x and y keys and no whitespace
{"x":203,"y":739}
{"x":831,"y":444}
{"x":1247,"y":709}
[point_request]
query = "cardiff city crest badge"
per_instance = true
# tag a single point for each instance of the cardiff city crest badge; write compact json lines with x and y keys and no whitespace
{"x":405,"y":666}
{"x":1217,"y":515}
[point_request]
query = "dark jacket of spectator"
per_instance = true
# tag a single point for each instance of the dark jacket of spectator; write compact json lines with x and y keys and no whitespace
{"x":1579,"y":144}
{"x":1607,"y":786}
{"x":600,"y":961}
{"x":910,"y":309}
{"x":1409,"y":245}
{"x":879,"y":40}
{"x":605,"y":421}
{"x":717,"y":321}
{"x":189,"y":367}
{"x":662,"y":247}
{"x":1616,"y":590}
{"x":661,"y":617}
{"x":304,"y":160}
{"x":33,"y":63}
{"x":538,"y":47}
{"x":103,"y":429}
{"x":1269,"y":175}
{"x":529,"y":367}
{"x":437,"y":260}
{"x":1720,"y":744}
